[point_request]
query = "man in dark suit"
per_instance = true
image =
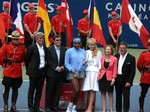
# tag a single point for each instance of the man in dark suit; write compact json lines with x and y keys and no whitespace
{"x":55,"y":74}
{"x":35,"y":61}
{"x":124,"y":80}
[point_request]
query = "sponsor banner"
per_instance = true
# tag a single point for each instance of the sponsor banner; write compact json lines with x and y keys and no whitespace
{"x":104,"y":7}
{"x":65,"y":96}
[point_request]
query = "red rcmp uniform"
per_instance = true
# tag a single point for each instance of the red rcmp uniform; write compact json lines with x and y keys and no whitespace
{"x":143,"y":65}
{"x":83,"y":25}
{"x":12,"y":56}
{"x":56,"y":23}
{"x":7,"y":18}
{"x":31,"y":20}
{"x":114,"y":26}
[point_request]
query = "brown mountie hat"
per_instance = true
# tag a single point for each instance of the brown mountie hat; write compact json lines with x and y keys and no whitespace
{"x":15,"y":35}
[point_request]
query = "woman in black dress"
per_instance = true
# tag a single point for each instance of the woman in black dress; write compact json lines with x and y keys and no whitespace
{"x":107,"y":76}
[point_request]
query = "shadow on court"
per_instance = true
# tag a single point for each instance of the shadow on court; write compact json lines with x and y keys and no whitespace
{"x":134,"y":106}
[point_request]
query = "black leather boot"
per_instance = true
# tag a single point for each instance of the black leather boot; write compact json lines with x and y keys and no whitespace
{"x":5,"y":98}
{"x":141,"y":104}
{"x":14,"y":100}
{"x":5,"y":108}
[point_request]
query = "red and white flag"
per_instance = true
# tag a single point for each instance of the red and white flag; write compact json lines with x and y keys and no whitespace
{"x":66,"y":14}
{"x":2,"y":30}
{"x":15,"y":13}
{"x":128,"y":16}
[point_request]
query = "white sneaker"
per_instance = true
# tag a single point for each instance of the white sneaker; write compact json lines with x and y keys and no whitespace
{"x":69,"y":108}
{"x":74,"y":110}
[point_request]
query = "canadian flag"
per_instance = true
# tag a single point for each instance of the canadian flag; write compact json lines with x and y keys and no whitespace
{"x":15,"y":13}
{"x":67,"y":15}
{"x":128,"y":16}
{"x":2,"y":30}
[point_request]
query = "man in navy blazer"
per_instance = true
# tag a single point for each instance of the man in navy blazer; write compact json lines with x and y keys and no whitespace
{"x":124,"y":80}
{"x":55,"y":74}
{"x":35,"y":61}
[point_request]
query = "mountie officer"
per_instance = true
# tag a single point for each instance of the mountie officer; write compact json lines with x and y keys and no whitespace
{"x":11,"y":57}
{"x":143,"y":65}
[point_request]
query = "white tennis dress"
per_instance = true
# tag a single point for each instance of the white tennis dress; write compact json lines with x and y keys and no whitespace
{"x":92,"y":72}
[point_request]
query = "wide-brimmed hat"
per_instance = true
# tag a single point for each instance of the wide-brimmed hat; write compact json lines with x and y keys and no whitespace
{"x":15,"y":35}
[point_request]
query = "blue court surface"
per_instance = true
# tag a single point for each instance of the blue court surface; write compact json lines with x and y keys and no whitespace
{"x":134,"y":106}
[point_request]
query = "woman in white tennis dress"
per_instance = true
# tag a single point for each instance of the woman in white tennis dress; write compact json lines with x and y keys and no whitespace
{"x":92,"y":70}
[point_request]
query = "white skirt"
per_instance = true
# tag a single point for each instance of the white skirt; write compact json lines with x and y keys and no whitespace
{"x":91,"y":82}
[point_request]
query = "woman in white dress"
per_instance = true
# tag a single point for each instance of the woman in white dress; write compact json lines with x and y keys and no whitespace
{"x":92,"y":70}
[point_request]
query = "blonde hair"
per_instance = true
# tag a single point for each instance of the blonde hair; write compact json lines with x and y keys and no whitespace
{"x":111,"y":48}
{"x":93,"y":41}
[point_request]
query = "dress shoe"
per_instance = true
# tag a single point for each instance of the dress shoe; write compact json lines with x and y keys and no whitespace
{"x":48,"y":110}
{"x":37,"y":110}
{"x":54,"y":109}
{"x":31,"y":109}
{"x":13,"y":109}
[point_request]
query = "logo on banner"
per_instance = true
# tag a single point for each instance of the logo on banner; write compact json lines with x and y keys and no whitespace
{"x":140,"y":9}
{"x":50,"y":6}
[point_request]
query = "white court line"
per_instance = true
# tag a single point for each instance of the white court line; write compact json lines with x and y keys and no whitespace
{"x":17,"y":109}
{"x":133,"y":83}
{"x":41,"y":109}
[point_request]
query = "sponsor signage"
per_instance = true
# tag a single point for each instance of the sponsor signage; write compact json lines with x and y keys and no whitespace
{"x":104,"y":7}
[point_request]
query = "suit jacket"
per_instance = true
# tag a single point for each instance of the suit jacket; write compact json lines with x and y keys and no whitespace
{"x":52,"y":61}
{"x":128,"y":68}
{"x":111,"y":71}
{"x":32,"y":60}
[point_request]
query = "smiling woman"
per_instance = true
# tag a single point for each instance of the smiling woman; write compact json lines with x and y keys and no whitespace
{"x":74,"y":62}
{"x":35,"y":61}
{"x":39,"y":38}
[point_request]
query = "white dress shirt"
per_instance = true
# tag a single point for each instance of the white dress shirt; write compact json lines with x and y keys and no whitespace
{"x":57,"y":52}
{"x":42,"y":56}
{"x":120,"y":63}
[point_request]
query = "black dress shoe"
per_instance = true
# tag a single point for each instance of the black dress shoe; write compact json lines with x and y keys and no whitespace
{"x":31,"y":109}
{"x":13,"y":109}
{"x":37,"y":110}
{"x":48,"y":110}
{"x":54,"y":109}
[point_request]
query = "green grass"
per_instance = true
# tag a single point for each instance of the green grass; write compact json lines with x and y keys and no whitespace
{"x":135,"y":52}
